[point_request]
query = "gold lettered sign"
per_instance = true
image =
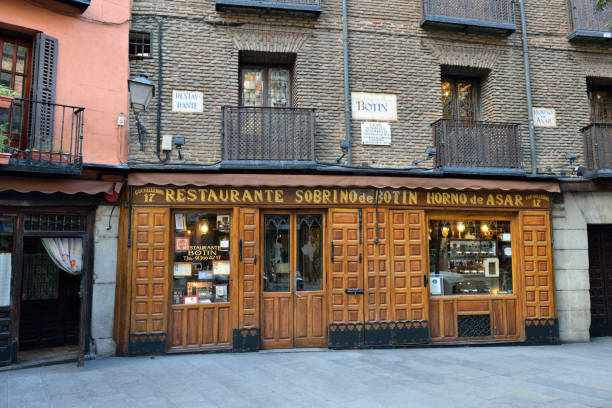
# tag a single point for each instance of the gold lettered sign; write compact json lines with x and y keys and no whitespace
{"x":330,"y":197}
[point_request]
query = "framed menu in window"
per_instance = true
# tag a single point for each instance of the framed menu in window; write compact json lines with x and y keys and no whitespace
{"x":221,"y":267}
{"x":182,"y":269}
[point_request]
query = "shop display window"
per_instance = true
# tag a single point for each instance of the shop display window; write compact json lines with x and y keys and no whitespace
{"x":470,"y":257}
{"x":201,"y":258}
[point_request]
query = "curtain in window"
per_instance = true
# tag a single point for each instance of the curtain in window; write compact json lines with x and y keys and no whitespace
{"x":66,"y":253}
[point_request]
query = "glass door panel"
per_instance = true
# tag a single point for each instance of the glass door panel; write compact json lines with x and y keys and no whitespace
{"x":279,"y":88}
{"x":277,"y":253}
{"x":252,"y":87}
{"x":309,"y":271}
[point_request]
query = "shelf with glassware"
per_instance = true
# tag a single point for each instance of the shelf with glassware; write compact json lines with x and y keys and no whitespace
{"x":201,"y":259}
{"x":472,"y":259}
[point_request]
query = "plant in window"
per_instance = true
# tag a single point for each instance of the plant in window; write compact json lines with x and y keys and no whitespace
{"x":6,"y":91}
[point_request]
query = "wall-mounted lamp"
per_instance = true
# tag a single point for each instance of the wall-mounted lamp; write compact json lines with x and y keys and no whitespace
{"x":204,"y":227}
{"x":141,"y":92}
{"x":430,"y":152}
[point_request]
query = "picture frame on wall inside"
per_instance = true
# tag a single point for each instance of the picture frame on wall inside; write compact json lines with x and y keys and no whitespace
{"x":190,"y":300}
{"x":182,"y":269}
{"x":221,"y":267}
{"x":181,"y":244}
{"x":223,"y":223}
{"x":179,"y":222}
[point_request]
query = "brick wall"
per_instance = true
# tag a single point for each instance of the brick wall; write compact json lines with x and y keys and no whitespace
{"x":389,"y":52}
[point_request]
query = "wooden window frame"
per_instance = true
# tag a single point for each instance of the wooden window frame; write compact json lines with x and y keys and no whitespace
{"x":454,"y":80}
{"x":28,"y":69}
{"x":139,"y":57}
{"x":266,"y":69}
{"x":591,"y":90}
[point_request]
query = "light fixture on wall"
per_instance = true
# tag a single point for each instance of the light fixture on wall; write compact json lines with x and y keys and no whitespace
{"x":141,"y":92}
{"x":484,"y":228}
{"x":204,"y":227}
{"x":445,"y":230}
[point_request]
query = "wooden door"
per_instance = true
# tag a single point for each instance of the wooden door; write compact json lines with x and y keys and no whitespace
{"x":346,"y":275}
{"x":277,"y":263}
{"x":409,"y":266}
{"x":148,"y":328}
{"x":293,"y":301}
{"x":310,"y":321}
{"x":600,"y":278}
{"x":377,"y":297}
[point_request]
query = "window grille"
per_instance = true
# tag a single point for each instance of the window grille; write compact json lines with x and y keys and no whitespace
{"x":140,"y":44}
{"x":55,"y":223}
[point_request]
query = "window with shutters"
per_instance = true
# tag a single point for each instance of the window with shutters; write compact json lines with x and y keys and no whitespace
{"x":15,"y":73}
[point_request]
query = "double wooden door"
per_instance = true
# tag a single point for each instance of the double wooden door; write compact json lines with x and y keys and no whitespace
{"x":293,"y":309}
{"x":600,"y":277}
{"x":378,"y":266}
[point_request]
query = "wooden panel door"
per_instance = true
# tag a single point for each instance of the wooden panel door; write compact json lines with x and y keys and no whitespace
{"x":600,"y":278}
{"x":248,"y":272}
{"x":377,"y":297}
{"x":537,"y":264}
{"x":410,"y":297}
{"x":346,"y":266}
{"x":277,"y":264}
{"x":310,"y":317}
{"x":150,"y":266}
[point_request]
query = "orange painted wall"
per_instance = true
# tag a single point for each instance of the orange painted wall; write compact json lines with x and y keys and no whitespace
{"x":92,"y":65}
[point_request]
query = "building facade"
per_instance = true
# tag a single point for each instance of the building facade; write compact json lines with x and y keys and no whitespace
{"x":381,"y":175}
{"x":63,"y":100}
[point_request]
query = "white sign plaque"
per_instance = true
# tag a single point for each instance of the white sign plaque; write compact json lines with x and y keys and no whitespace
{"x":544,"y":117}
{"x":187,"y":101}
{"x":435,"y":285}
{"x":375,"y":133}
{"x":370,"y":106}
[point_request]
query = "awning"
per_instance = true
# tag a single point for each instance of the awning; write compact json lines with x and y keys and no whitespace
{"x":300,"y":180}
{"x":52,"y":185}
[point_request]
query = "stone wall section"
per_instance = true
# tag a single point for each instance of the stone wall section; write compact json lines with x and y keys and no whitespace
{"x":571,"y":214}
{"x":104,"y":280}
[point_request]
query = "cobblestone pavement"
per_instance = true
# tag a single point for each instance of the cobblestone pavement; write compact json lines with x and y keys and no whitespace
{"x":570,"y":375}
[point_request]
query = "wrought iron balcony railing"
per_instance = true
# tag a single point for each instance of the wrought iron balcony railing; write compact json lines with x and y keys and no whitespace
{"x":598,"y":146}
{"x":309,"y":6}
{"x":490,"y":15}
{"x":44,"y":137}
{"x":467,"y":145}
{"x":268,"y":134}
{"x":588,"y":21}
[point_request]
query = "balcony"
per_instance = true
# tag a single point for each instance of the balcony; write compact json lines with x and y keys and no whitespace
{"x":589,"y":22}
{"x":474,"y":147}
{"x":308,"y":6}
{"x":598,"y":148}
{"x":268,"y":137}
{"x":496,"y":16}
{"x":43,"y":137}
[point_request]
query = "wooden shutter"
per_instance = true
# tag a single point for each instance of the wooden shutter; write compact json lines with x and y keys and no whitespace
{"x":408,"y":253}
{"x":346,"y":267}
{"x":44,"y":69}
{"x":537,"y":265}
{"x":248,"y":268}
{"x":149,"y":320}
{"x":377,"y":300}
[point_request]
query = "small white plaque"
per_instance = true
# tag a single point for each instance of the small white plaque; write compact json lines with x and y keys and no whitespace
{"x":375,"y":133}
{"x":371,"y":106}
{"x":187,"y":101}
{"x":435,"y":285}
{"x":544,"y":117}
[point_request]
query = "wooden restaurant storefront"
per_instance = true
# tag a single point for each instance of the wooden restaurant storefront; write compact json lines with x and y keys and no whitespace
{"x":247,"y":261}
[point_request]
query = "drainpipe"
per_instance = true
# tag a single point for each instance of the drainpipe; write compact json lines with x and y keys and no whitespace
{"x":534,"y":168}
{"x":347,"y":102}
